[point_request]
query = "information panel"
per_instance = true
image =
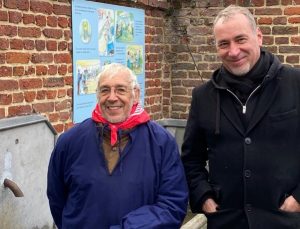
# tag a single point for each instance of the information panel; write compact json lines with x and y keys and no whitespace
{"x":103,"y":34}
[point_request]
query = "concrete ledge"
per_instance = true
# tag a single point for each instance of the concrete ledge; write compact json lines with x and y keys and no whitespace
{"x":197,"y":222}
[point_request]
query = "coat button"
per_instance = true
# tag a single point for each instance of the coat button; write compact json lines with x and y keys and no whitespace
{"x":247,"y":173}
{"x":248,"y":207}
{"x":248,"y":141}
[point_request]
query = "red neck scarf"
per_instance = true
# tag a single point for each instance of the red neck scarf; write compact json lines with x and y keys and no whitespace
{"x":137,"y":116}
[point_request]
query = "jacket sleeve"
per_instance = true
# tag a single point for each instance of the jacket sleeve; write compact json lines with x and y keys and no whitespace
{"x":56,"y":191}
{"x":194,"y":158}
{"x":170,"y":207}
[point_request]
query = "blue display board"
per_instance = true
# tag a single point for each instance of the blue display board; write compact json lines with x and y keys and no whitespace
{"x":103,"y":34}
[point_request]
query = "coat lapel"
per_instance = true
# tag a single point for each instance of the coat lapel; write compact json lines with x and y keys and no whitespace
{"x":229,"y":110}
{"x":264,"y":103}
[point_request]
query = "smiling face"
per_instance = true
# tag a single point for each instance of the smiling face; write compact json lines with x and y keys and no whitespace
{"x":116,"y":96}
{"x":238,"y":43}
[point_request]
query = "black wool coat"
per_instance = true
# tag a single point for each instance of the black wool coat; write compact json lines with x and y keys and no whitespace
{"x":252,"y":169}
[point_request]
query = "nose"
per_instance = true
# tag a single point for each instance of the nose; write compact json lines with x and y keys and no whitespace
{"x":234,"y":50}
{"x":112,"y":95}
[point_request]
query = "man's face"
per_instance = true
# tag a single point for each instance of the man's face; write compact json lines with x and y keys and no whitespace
{"x":237,"y":44}
{"x":116,"y":97}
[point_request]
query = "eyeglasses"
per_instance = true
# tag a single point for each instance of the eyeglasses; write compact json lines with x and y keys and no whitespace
{"x":119,"y":90}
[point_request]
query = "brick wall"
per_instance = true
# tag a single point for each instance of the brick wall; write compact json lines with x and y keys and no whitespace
{"x":36,"y":52}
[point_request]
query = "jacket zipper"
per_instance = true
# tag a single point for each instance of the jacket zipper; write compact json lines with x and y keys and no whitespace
{"x":244,"y":106}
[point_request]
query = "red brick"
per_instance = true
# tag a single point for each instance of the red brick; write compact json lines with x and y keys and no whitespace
{"x":29,"y":96}
{"x":15,"y":17}
{"x":53,"y":33}
{"x":59,"y":128}
{"x":18,"y":97}
{"x":8,"y":85}
{"x":292,"y":10}
{"x":53,"y":117}
{"x":30,"y":83}
{"x":40,"y":45}
{"x":61,"y":93}
{"x":41,"y":95}
{"x":3,"y":16}
{"x":8,"y":30}
{"x":17,"y":58}
{"x":52,"y":21}
{"x":41,"y":7}
{"x":29,"y":32}
{"x":62,"y":46}
{"x":51,"y":45}
{"x":54,"y":82}
{"x":51,"y":94}
{"x":63,"y":58}
{"x":5,"y":99}
{"x":64,"y":116}
{"x":28,"y":44}
{"x":19,"y":110}
{"x":63,"y":105}
{"x":5,"y":71}
{"x":62,"y":70}
{"x":294,"y":20}
{"x":18,"y":71}
{"x":41,"y":70}
{"x":52,"y":69}
{"x":4,"y":44}
{"x":28,"y":19}
{"x":62,"y":9}
{"x":63,"y":22}
{"x":42,"y":58}
{"x":43,"y":107}
{"x":16,"y":44}
{"x":40,"y":20}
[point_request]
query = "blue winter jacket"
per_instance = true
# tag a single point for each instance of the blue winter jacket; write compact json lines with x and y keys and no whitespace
{"x":146,"y":189}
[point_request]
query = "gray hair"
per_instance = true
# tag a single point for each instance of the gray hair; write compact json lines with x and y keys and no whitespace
{"x":112,"y":69}
{"x":232,"y":10}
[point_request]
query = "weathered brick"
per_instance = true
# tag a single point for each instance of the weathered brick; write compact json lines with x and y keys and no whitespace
{"x":52,"y":21}
{"x":58,"y":128}
{"x":53,"y":33}
{"x":43,"y":107}
{"x":51,"y":45}
{"x":63,"y":58}
{"x":3,"y":15}
{"x":41,"y":7}
{"x":51,"y":94}
{"x":29,"y":32}
{"x":63,"y":105}
{"x":19,"y":110}
{"x":41,"y":95}
{"x":40,"y":45}
{"x":14,"y":17}
{"x":5,"y":99}
{"x":53,"y":117}
{"x":62,"y":10}
{"x":5,"y":71}
{"x":2,"y":113}
{"x":16,"y":44}
{"x":18,"y":97}
{"x":4,"y":44}
{"x":62,"y":70}
{"x":41,"y":58}
{"x":294,"y":20}
{"x":54,"y":82}
{"x":40,"y":20}
{"x":30,"y":83}
{"x":284,"y":30}
{"x":52,"y":69}
{"x":18,"y":71}
{"x":63,"y":22}
{"x":295,"y":10}
{"x":8,"y":85}
{"x":28,"y":44}
{"x":8,"y":30}
{"x":62,"y":46}
{"x":17,"y":58}
{"x":41,"y":70}
{"x":29,"y":96}
{"x":28,"y":19}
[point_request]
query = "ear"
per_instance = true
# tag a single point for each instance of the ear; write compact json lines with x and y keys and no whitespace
{"x":259,"y":36}
{"x":136,"y":95}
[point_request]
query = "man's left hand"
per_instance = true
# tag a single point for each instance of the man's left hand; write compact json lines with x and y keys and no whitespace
{"x":290,"y":204}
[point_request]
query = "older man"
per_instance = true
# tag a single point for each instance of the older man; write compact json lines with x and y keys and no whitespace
{"x":117,"y":169}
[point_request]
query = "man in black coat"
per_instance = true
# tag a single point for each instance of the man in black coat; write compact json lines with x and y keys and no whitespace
{"x":245,"y":122}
